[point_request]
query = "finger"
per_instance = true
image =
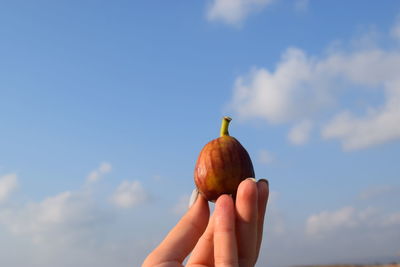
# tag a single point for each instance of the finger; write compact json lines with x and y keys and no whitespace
{"x":225,"y":247}
{"x":183,"y":237}
{"x":203,"y":252}
{"x":246,"y":222}
{"x":263,"y":194}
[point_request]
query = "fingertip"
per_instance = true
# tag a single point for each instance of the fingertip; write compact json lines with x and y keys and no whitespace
{"x":263,"y":188}
{"x":224,"y":208}
{"x":202,"y":203}
{"x":262,"y":180}
{"x":223,"y":201}
{"x":251,"y":179}
{"x":199,"y":210}
{"x":247,"y":190}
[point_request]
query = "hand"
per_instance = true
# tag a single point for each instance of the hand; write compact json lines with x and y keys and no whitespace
{"x":231,"y":237}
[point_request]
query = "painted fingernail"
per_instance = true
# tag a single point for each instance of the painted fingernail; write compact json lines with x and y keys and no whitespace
{"x":252,"y":179}
{"x":193,"y":197}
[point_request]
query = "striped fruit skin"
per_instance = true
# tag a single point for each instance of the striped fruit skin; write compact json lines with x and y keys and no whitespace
{"x":222,"y":164}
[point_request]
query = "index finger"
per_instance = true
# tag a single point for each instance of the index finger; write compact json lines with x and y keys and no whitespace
{"x":183,"y":237}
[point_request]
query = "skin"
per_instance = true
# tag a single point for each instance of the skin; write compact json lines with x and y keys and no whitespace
{"x":230,"y":237}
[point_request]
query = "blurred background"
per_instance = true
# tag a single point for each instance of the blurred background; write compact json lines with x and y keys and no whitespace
{"x":105,"y":105}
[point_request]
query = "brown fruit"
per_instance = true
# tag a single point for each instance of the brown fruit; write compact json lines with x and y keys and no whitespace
{"x":222,"y":164}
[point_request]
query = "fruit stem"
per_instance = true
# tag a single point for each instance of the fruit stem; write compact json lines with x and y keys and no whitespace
{"x":224,"y":126}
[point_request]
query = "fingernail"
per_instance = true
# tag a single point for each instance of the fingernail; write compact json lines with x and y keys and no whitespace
{"x":264,"y":180}
{"x":193,"y":197}
{"x":252,"y":179}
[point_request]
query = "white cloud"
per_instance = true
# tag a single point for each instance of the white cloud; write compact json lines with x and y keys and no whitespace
{"x":129,"y":194}
{"x":348,"y":234}
{"x":377,"y":191}
{"x":290,"y":93}
{"x":55,"y":219}
{"x":301,"y":5}
{"x":392,"y":219}
{"x":77,"y":221}
{"x":329,"y":221}
{"x":380,"y":125}
{"x":395,"y":31}
{"x":234,"y":12}
{"x":95,"y":234}
{"x":158,"y":178}
{"x":265,"y":157}
{"x":299,"y":134}
{"x":310,"y":88}
{"x":105,"y":167}
{"x":333,"y":222}
{"x":8,"y":183}
{"x":366,"y":214}
{"x":61,"y":218}
{"x":98,"y":173}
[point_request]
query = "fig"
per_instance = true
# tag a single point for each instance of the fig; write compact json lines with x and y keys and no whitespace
{"x":222,"y":164}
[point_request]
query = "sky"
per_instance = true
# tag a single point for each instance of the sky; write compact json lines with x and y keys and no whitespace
{"x":105,"y":106}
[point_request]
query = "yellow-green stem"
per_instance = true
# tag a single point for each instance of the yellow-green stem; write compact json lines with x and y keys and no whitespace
{"x":224,"y":126}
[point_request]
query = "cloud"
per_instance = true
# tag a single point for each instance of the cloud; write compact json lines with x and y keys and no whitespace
{"x":265,"y":157}
{"x":78,"y":221}
{"x":299,"y":134}
{"x":96,"y":234}
{"x":378,"y":126}
{"x":368,"y":68}
{"x":285,"y":95}
{"x":392,"y":219}
{"x":98,"y":173}
{"x":329,"y":221}
{"x":63,"y":218}
{"x":332,"y":222}
{"x":301,"y":5}
{"x":129,"y":194}
{"x":377,"y":191}
{"x":8,"y":183}
{"x":325,"y":90}
{"x":57,"y":218}
{"x":395,"y":31}
{"x":359,"y":232}
{"x":234,"y":12}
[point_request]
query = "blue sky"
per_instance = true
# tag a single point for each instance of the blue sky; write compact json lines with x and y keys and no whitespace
{"x":105,"y":106}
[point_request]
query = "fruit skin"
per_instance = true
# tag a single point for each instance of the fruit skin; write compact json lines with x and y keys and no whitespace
{"x":222,"y":164}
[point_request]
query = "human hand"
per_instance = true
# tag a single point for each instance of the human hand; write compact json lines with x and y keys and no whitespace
{"x":230,"y":237}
